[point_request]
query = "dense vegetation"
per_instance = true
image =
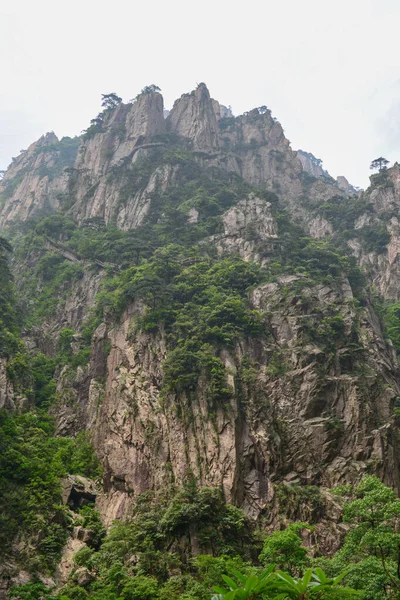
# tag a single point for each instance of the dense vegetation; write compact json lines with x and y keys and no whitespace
{"x":9,"y":322}
{"x":32,"y":462}
{"x":185,"y":543}
{"x":33,"y":524}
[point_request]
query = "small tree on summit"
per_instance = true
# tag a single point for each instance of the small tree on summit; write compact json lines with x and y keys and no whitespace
{"x":379,"y":163}
{"x":150,"y":89}
{"x":110,"y":101}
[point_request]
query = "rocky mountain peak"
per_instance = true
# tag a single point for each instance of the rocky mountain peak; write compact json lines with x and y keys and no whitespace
{"x":344,"y":185}
{"x":193,"y":116}
{"x":194,"y":306}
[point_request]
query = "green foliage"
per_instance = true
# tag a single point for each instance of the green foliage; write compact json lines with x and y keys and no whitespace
{"x":160,"y":536}
{"x":18,"y":371}
{"x":150,"y":555}
{"x":110,"y":101}
{"x":149,"y":89}
{"x":299,"y":499}
{"x":199,"y":301}
{"x":343,"y":212}
{"x":373,"y":509}
{"x":83,"y":558}
{"x":391,"y":319}
{"x":201,"y":304}
{"x":282,"y":586}
{"x":65,"y":339}
{"x":58,"y":275}
{"x":285,"y":549}
{"x":42,"y":369}
{"x":311,"y":585}
{"x":370,"y":552}
{"x":253,"y":586}
{"x":315,"y":260}
{"x":91,"y":520}
{"x":30,"y":591}
{"x":9,"y":322}
{"x":379,"y":163}
{"x":57,"y":226}
{"x":374,"y":238}
{"x":277,"y":366}
{"x":77,"y":456}
{"x":31,"y":463}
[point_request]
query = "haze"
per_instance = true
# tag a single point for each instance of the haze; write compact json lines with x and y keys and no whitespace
{"x":329,"y":71}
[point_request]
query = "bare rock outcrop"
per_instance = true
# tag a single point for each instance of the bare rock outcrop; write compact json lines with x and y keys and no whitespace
{"x":381,"y":261}
{"x":305,"y":418}
{"x":7,"y":399}
{"x":124,"y":137}
{"x":78,"y":491}
{"x":102,"y":180}
{"x":193,"y":116}
{"x":33,"y":183}
{"x":249,"y":229}
{"x":302,"y":414}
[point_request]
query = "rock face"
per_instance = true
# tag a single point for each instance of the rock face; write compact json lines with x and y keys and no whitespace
{"x":245,"y":225}
{"x":100,"y":178}
{"x":304,"y":417}
{"x":6,"y":389}
{"x":312,"y":165}
{"x":299,"y":413}
{"x":31,"y":185}
{"x":294,"y":422}
{"x":381,"y":262}
{"x":344,"y":185}
{"x":77,"y":491}
{"x":122,"y":140}
{"x":194,"y":116}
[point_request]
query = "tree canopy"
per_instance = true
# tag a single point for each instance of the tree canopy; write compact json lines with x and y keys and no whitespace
{"x":110,"y":101}
{"x":379,"y":163}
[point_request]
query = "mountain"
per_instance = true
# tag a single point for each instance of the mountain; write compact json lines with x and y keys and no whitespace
{"x":200,"y":310}
{"x":313,"y":165}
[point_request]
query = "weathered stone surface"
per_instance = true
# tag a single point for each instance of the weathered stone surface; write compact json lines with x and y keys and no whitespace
{"x":83,"y":576}
{"x":32,"y":188}
{"x":346,"y":187}
{"x":382,"y":267}
{"x":127,"y":129}
{"x":252,"y":145}
{"x":319,"y":227}
{"x":77,"y":491}
{"x":312,"y":165}
{"x":247,"y":226}
{"x":323,"y":430}
{"x":193,"y":116}
{"x":7,"y":399}
{"x":66,"y":564}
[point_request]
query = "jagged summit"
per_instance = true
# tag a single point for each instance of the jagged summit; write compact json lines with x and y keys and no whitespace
{"x":313,"y":165}
{"x":251,"y":145}
{"x":191,"y":303}
{"x":193,"y":116}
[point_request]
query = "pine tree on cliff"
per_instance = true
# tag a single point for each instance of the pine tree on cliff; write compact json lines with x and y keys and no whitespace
{"x":379,"y":163}
{"x":110,"y":101}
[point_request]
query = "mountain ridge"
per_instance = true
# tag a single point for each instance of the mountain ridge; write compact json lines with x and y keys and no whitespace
{"x":199,"y":304}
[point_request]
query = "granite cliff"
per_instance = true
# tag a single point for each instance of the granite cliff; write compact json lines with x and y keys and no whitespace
{"x":209,"y":307}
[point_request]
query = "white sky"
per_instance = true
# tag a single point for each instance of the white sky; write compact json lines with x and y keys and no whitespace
{"x":328,"y":69}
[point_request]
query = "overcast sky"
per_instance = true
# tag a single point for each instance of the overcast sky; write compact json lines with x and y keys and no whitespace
{"x":328,"y":70}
